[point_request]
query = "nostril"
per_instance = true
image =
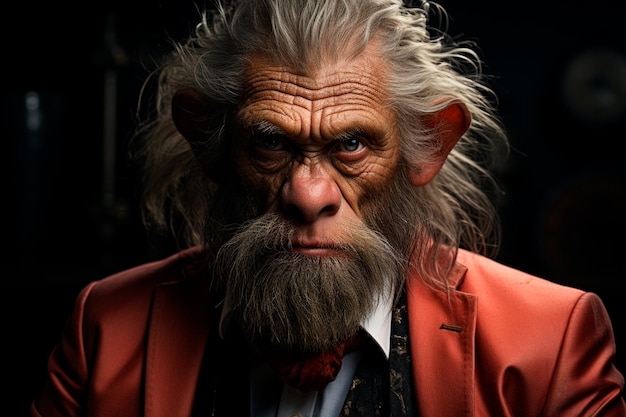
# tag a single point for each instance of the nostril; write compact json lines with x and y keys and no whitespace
{"x":330,"y":209}
{"x":292,"y":212}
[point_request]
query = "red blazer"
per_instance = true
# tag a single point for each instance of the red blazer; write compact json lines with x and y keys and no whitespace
{"x":500,"y":343}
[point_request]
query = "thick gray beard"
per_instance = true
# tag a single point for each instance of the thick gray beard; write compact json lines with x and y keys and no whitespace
{"x":301,"y":302}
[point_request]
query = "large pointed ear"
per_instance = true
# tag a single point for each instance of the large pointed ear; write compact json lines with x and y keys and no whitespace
{"x":447,"y":125}
{"x":192,"y":112}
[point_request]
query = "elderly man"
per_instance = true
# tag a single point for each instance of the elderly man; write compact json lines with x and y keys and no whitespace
{"x":325,"y":166}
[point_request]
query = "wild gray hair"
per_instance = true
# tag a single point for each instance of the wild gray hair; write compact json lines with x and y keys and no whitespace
{"x":427,"y":67}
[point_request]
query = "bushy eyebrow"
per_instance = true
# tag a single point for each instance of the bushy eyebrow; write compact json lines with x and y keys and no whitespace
{"x":349,"y":134}
{"x":265,"y":127}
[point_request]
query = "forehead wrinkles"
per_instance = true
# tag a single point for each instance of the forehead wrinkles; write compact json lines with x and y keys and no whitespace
{"x":321,"y":107}
{"x":343,"y":95}
{"x":278,"y":83}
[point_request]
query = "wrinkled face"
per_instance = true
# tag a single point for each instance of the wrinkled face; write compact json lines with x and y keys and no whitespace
{"x":317,"y":146}
{"x":318,"y":154}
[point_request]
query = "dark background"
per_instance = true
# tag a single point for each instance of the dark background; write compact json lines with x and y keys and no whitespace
{"x":72,"y":77}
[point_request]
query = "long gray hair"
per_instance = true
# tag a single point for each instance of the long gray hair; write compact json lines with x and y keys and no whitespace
{"x":427,"y":66}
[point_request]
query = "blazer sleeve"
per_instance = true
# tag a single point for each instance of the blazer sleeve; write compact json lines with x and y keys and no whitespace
{"x":65,"y":389}
{"x":586,"y":383}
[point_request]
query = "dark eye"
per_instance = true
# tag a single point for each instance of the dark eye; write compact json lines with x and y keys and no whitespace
{"x":270,"y":142}
{"x":350,"y":144}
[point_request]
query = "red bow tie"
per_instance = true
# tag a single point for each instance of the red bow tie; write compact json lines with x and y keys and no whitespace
{"x":311,"y":371}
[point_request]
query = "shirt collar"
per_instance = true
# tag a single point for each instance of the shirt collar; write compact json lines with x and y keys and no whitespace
{"x":378,"y":322}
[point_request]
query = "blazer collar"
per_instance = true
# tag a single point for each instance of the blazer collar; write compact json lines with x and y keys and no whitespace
{"x":177,"y":338}
{"x":442,"y":326}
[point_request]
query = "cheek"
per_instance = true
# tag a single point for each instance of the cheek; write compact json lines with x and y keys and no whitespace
{"x":261,"y":183}
{"x":374,"y":187}
{"x":264,"y":188}
{"x":370,"y":197}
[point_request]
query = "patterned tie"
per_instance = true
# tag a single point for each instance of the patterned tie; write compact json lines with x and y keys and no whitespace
{"x":384,"y":387}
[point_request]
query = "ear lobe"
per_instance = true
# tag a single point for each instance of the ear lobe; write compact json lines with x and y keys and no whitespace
{"x":448,"y":125}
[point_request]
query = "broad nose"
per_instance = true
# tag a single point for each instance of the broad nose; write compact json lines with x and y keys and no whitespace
{"x":310,"y":194}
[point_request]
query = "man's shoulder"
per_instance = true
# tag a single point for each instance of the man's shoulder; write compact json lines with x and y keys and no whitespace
{"x":502,"y":283}
{"x":138,"y":282}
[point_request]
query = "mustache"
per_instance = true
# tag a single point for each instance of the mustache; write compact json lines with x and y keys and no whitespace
{"x":271,"y":233}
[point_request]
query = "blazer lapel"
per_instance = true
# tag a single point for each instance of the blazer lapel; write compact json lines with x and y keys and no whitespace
{"x":178,"y":333}
{"x":442,"y":328}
